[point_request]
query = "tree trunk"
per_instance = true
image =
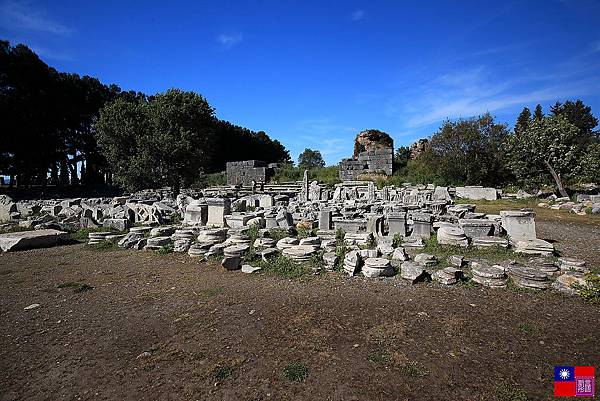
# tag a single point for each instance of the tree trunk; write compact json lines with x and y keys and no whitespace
{"x":73,"y":171}
{"x":556,"y":176}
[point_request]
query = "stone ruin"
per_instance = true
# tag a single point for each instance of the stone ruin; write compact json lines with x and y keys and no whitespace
{"x":249,"y":172}
{"x":353,"y":226}
{"x":373,"y":154}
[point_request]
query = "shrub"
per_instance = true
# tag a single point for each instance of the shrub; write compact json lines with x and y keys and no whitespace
{"x":296,"y":371}
{"x":397,"y":241}
{"x":340,"y":252}
{"x":165,"y":249}
{"x":590,"y":292}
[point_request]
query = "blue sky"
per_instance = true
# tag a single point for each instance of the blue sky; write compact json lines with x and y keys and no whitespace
{"x":314,"y":73}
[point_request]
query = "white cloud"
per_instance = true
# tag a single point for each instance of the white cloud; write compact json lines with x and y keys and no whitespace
{"x":471,"y":92}
{"x":21,"y":15}
{"x":358,"y":15}
{"x":228,"y":40}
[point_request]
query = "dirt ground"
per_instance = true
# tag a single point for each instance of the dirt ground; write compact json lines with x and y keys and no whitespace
{"x":167,"y":327}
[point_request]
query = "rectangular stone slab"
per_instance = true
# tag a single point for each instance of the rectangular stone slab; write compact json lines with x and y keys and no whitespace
{"x":32,"y":239}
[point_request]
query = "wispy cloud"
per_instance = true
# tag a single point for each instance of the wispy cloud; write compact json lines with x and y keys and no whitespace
{"x":228,"y":40}
{"x":358,"y":15}
{"x":470,"y":92}
{"x":23,"y":16}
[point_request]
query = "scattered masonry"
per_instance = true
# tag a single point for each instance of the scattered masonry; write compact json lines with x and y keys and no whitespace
{"x":381,"y":231}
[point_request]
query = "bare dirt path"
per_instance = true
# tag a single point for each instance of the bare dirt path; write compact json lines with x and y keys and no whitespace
{"x":171,"y":328}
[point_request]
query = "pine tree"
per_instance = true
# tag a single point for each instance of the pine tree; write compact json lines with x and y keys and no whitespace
{"x":523,"y":121}
{"x":538,"y":114}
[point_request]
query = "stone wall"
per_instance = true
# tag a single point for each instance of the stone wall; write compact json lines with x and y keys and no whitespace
{"x":375,"y":161}
{"x":244,"y":172}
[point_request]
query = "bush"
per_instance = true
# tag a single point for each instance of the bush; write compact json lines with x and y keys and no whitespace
{"x":590,"y":292}
{"x":340,"y":252}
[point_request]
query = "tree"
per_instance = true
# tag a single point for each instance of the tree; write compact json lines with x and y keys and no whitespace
{"x":580,"y":116}
{"x":165,"y":139}
{"x":310,"y":159}
{"x":538,"y":114}
{"x":401,"y":159}
{"x":464,"y":152}
{"x":590,"y":164}
{"x":548,"y":146}
{"x":523,"y":121}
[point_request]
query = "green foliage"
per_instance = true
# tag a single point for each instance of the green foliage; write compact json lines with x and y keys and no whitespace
{"x":165,"y":249}
{"x":509,"y":391}
{"x":210,"y":180}
{"x":220,"y":373}
{"x":523,"y":121}
{"x":310,"y":159}
{"x":289,"y":173}
{"x":302,"y":232}
{"x":371,"y":243}
{"x":296,"y":371}
{"x":465,"y":152}
{"x":167,"y":138}
{"x":77,"y":287}
{"x":397,"y":240}
{"x":284,"y":267}
{"x":316,"y":262}
{"x":590,"y":164}
{"x":253,"y":232}
{"x":590,"y":292}
{"x":16,"y":229}
{"x":401,"y":159}
{"x":340,"y":250}
{"x":339,"y":234}
{"x":413,"y":369}
{"x":580,"y":116}
{"x":277,"y":233}
{"x":538,"y":114}
{"x":549,"y":146}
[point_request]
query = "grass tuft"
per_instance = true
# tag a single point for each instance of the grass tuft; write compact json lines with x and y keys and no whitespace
{"x":284,"y":267}
{"x":296,"y":372}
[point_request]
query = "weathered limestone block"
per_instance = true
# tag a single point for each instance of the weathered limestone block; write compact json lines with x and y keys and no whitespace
{"x":422,"y":225}
{"x":325,"y":219}
{"x":476,"y":193}
{"x":32,"y":239}
{"x":396,"y":223}
{"x":377,"y":267}
{"x":476,"y":227}
{"x":196,"y":213}
{"x":519,"y":225}
{"x":116,"y":224}
{"x":218,"y":208}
